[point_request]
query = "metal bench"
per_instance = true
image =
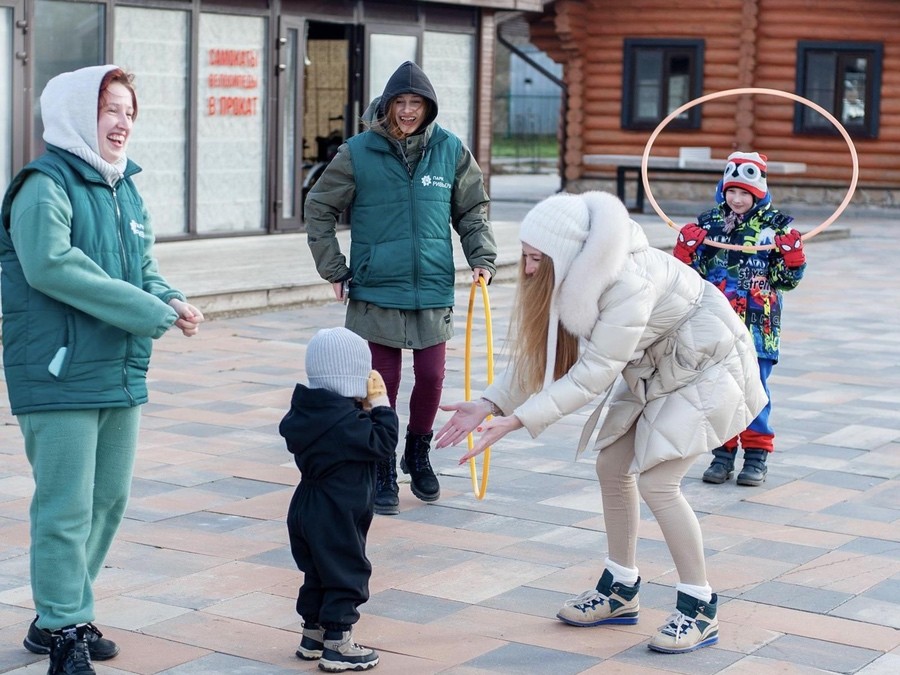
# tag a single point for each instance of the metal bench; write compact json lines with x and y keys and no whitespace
{"x":690,"y":160}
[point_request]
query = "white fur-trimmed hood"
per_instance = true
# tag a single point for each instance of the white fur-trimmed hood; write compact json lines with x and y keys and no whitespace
{"x":612,"y":238}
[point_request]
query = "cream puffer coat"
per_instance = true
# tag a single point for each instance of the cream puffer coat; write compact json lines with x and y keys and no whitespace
{"x":680,"y":363}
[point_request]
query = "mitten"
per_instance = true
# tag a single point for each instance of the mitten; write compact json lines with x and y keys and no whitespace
{"x":689,"y":239}
{"x":791,"y":247}
{"x":376,"y":392}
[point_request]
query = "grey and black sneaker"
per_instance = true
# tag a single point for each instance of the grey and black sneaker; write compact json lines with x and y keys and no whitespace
{"x":69,"y":653}
{"x":39,"y":641}
{"x":312,"y":642}
{"x":608,"y":603}
{"x":693,"y":625}
{"x":342,"y":653}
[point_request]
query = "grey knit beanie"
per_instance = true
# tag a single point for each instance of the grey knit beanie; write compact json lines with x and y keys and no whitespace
{"x":338,"y":360}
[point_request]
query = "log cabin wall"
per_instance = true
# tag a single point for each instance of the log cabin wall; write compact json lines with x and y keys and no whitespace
{"x":485,"y":93}
{"x":747,"y":43}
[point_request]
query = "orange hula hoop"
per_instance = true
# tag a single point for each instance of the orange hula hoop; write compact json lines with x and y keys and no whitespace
{"x":479,"y":490}
{"x":736,"y":92}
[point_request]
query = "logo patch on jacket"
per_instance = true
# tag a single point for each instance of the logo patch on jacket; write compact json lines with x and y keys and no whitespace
{"x":137,"y":228}
{"x":436,"y":181}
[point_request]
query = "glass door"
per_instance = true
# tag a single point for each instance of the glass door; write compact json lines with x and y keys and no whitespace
{"x":386,"y":48}
{"x":290,"y":57}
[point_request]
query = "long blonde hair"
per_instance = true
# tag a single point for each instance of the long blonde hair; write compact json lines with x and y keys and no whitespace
{"x":528,"y":330}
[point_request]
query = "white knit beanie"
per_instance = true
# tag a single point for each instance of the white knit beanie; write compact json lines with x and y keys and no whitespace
{"x":338,"y":360}
{"x":558,"y":228}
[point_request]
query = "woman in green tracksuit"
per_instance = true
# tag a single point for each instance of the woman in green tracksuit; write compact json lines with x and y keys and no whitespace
{"x":407,"y":182}
{"x":82,"y":301}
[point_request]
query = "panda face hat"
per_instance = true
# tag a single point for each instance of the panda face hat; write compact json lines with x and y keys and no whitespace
{"x":746,"y":170}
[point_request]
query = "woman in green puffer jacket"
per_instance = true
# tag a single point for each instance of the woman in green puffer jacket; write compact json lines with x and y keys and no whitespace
{"x":82,"y":301}
{"x":407,"y":182}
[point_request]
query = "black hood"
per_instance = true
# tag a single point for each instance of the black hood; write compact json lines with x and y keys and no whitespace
{"x":410,"y":79}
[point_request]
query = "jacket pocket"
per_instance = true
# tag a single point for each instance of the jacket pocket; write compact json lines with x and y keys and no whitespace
{"x":62,"y":358}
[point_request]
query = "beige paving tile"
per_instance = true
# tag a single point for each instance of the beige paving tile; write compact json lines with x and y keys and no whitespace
{"x":844,"y":572}
{"x":815,"y":626}
{"x":229,"y":636}
{"x":730,"y":572}
{"x":133,"y":614}
{"x":478,"y":579}
{"x":440,"y":644}
{"x":804,"y":496}
{"x":269,"y":609}
{"x":208,"y":587}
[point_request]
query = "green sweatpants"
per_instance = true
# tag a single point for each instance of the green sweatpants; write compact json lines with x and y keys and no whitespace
{"x":82,"y":461}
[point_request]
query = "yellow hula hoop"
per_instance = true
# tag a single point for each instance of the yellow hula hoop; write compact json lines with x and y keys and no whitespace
{"x":481,"y":490}
{"x":753,"y":90}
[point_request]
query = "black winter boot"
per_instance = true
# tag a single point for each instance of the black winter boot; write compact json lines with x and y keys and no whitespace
{"x":721,"y":468}
{"x":422,"y":481}
{"x":755,"y":470}
{"x":70,"y":654}
{"x":387,"y":494}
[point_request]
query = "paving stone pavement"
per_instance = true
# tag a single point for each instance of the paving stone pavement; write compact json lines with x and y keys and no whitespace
{"x":200,"y":580}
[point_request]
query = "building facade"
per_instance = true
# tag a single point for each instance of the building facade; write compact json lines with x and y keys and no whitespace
{"x":629,"y":63}
{"x":241,"y":101}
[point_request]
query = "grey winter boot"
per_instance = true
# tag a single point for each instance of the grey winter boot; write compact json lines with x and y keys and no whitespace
{"x":342,"y":653}
{"x":387,"y":494}
{"x":755,"y":470}
{"x":721,"y":468}
{"x":422,"y":481}
{"x":312,"y":642}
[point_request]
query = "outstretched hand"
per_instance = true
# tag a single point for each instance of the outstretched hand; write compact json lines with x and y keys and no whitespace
{"x":468,"y":417}
{"x":493,"y":430}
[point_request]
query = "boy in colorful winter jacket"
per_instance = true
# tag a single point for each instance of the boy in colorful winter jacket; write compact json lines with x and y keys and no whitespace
{"x":753,"y":281}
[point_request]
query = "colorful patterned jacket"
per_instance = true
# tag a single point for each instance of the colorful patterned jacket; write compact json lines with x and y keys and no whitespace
{"x":752,"y":281}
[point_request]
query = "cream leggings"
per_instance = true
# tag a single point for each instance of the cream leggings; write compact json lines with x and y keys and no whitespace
{"x":660,"y":488}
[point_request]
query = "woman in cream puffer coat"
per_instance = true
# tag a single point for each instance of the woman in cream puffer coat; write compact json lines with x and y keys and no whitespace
{"x":629,"y":322}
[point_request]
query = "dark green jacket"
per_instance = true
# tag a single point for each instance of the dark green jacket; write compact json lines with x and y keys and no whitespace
{"x":411,"y":326}
{"x":82,"y":296}
{"x":401,"y":255}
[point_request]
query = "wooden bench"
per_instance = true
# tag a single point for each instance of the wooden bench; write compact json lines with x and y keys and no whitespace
{"x":687,"y":162}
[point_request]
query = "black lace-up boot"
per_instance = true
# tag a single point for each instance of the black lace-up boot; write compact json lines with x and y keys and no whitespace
{"x":387,"y":494}
{"x":422,"y":481}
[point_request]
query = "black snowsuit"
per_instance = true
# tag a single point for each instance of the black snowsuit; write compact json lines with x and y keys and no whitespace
{"x":336,"y":445}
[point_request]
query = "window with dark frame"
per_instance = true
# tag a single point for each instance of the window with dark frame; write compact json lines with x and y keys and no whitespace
{"x":658,"y":77}
{"x":845,"y":79}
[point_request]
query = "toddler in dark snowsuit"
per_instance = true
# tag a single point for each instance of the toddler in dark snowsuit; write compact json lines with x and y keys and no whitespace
{"x":338,"y":427}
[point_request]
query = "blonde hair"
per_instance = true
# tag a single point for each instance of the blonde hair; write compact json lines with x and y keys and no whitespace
{"x":529,"y":328}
